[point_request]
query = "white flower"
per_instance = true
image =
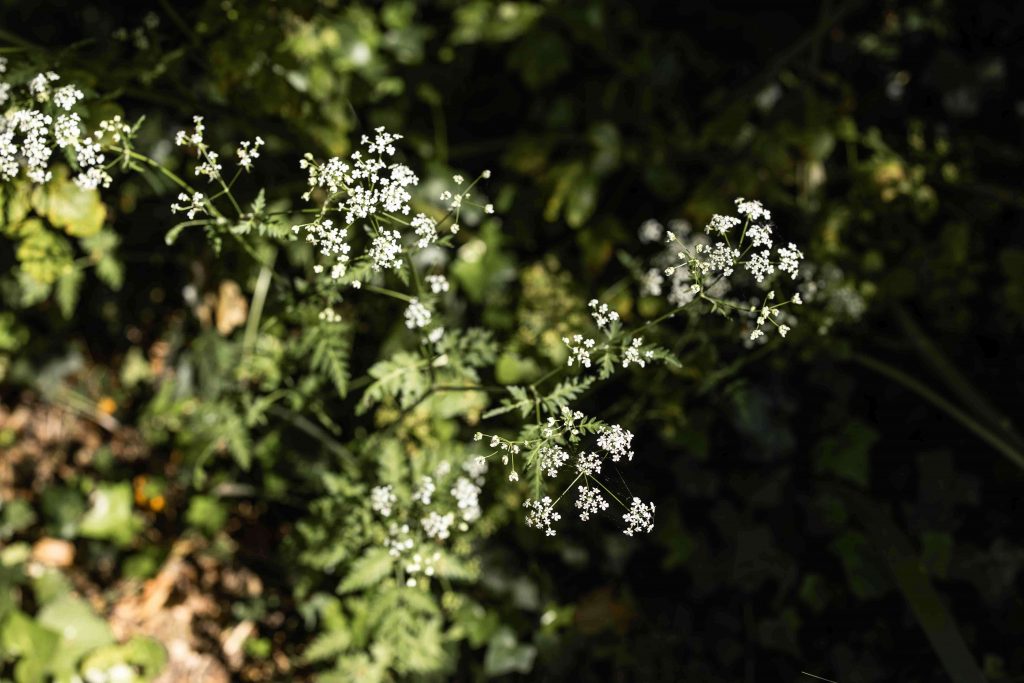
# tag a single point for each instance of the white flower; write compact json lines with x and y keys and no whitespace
{"x":760,"y":235}
{"x":438,"y":526}
{"x":195,"y":138}
{"x":248,"y":152}
{"x":640,"y":517}
{"x":589,"y":502}
{"x":66,"y":130}
{"x":476,"y":467}
{"x":616,"y":441}
{"x":115,"y":128}
{"x":417,"y":315}
{"x":467,"y":499}
{"x":191,"y":205}
{"x":210,"y":166}
{"x":789,"y":259}
{"x":66,"y":96}
{"x":551,"y":459}
{"x":425,"y":492}
{"x":93,"y":178}
{"x":588,"y":464}
{"x":332,"y":242}
{"x":752,"y":209}
{"x":721,"y":224}
{"x":650,"y":231}
{"x":381,"y":500}
{"x":39,"y":86}
{"x":650,"y":284}
{"x":579,"y":349}
{"x":760,"y":266}
{"x":601,"y":314}
{"x":632,"y":354}
{"x":437,"y":283}
{"x":426,"y":230}
{"x":385,"y":250}
{"x":541,"y":514}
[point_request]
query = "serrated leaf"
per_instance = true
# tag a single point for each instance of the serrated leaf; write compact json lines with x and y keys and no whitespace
{"x":401,"y":376}
{"x":330,"y":354}
{"x":520,"y":401}
{"x":564,"y":393}
{"x":327,"y":646}
{"x":367,"y":571}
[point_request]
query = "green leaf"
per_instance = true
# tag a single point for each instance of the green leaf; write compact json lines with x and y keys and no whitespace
{"x":44,"y":255}
{"x":67,"y":291}
{"x":520,"y":401}
{"x":847,"y":455}
{"x":22,"y":635}
{"x":111,"y":517}
{"x":139,"y":652}
{"x":507,"y":655}
{"x":367,"y":571}
{"x":81,"y":631}
{"x":207,"y":514}
{"x":327,"y":646}
{"x":78,"y":212}
{"x":401,"y":376}
{"x":332,"y":345}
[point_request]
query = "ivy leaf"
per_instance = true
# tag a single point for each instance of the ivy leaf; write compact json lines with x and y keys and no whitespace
{"x":78,"y":212}
{"x":367,"y":571}
{"x":44,"y":255}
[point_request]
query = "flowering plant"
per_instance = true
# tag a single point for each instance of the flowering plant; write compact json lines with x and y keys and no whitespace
{"x":378,"y":258}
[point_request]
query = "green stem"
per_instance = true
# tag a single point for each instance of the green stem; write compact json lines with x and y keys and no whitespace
{"x":942,"y":404}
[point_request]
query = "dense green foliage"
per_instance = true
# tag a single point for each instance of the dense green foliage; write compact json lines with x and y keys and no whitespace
{"x":180,"y":415}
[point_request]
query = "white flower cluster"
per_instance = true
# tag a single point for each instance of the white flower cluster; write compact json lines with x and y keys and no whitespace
{"x":438,"y":283}
{"x":381,"y":500}
{"x":332,"y":242}
{"x":589,"y":502}
{"x":190,"y":205}
{"x":714,"y":264}
{"x":417,"y":315}
{"x":426,"y":517}
{"x":633,"y":356}
{"x":588,"y":464}
{"x":640,"y":517}
{"x":541,"y":514}
{"x":372,"y":186}
{"x":617,"y":442}
{"x":41,"y":120}
{"x":603,"y":316}
{"x":579,"y":350}
{"x":551,"y":459}
{"x":248,"y":152}
{"x":559,"y":436}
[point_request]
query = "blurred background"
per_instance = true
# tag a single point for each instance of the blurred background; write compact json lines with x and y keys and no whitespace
{"x":843,"y":506}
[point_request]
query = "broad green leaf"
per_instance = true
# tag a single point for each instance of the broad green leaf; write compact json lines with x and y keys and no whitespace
{"x":78,"y":212}
{"x":110,"y":517}
{"x":505,"y":654}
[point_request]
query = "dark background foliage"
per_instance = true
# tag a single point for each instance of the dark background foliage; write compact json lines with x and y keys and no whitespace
{"x":843,"y":506}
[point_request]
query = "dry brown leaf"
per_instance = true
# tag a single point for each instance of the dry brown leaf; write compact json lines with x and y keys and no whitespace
{"x":232,"y":307}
